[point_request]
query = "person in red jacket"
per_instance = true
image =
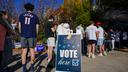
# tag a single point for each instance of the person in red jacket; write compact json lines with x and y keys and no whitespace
{"x":3,"y":30}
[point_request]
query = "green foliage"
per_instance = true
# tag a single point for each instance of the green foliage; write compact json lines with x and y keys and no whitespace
{"x":41,"y":38}
{"x":82,"y":13}
{"x":83,"y":19}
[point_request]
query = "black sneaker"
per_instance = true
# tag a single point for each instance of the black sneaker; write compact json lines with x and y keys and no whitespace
{"x":1,"y":68}
{"x":32,"y":69}
{"x":24,"y":69}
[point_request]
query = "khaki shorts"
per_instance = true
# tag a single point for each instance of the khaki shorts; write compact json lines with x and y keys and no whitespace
{"x":51,"y":41}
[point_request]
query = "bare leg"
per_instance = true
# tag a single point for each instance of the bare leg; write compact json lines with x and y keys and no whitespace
{"x":23,"y":55}
{"x":89,"y":50}
{"x":101,"y":48}
{"x":32,"y":51}
{"x":50,"y":49}
{"x":93,"y":50}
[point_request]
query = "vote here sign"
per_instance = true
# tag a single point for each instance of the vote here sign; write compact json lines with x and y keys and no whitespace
{"x":68,"y":57}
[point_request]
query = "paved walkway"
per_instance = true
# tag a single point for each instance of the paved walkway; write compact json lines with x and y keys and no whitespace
{"x":115,"y":61}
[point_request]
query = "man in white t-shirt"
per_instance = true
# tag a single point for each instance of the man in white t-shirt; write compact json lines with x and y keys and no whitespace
{"x":100,"y":41}
{"x":91,"y":34}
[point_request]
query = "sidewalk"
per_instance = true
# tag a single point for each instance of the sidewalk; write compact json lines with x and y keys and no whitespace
{"x":115,"y":61}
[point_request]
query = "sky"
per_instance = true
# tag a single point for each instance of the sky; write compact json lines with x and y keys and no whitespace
{"x":46,"y":3}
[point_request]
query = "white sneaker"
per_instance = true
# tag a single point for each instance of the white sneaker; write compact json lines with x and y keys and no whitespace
{"x":113,"y":48}
{"x":49,"y":60}
{"x":104,"y":53}
{"x":89,"y":55}
{"x":100,"y":54}
{"x":93,"y":56}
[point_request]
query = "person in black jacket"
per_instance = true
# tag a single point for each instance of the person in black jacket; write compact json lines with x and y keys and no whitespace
{"x":50,"y":29}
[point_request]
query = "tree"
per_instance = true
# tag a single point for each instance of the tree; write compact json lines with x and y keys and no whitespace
{"x":7,"y":5}
{"x":81,"y":13}
{"x":77,"y":12}
{"x":83,"y":16}
{"x":114,"y":13}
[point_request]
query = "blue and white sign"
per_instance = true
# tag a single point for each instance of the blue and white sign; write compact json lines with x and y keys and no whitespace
{"x":68,"y":57}
{"x":40,"y":48}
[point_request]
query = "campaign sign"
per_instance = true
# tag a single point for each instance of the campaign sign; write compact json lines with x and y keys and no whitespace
{"x":40,"y":48}
{"x":17,"y":45}
{"x":68,"y":57}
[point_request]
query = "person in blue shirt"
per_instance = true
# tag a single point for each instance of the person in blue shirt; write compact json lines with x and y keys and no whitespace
{"x":28,"y":27}
{"x":112,"y":38}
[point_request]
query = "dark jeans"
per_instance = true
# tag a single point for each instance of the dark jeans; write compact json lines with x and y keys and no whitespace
{"x":117,"y":44}
{"x":84,"y":46}
{"x":108,"y":45}
{"x":7,"y":53}
{"x":125,"y":43}
{"x":1,"y":54}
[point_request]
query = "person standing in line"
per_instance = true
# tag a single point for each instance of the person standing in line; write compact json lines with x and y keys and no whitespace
{"x":124,"y":38}
{"x":80,"y":30}
{"x":100,"y":41}
{"x":117,"y":39}
{"x":91,"y":34}
{"x":5,"y":31}
{"x":13,"y":23}
{"x":50,"y":30}
{"x":28,"y":27}
{"x":112,"y":38}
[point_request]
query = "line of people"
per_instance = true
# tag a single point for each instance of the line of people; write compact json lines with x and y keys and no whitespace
{"x":94,"y":35}
{"x":97,"y":40}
